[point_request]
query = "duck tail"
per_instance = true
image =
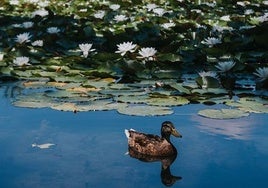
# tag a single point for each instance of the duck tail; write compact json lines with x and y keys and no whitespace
{"x":127,"y":133}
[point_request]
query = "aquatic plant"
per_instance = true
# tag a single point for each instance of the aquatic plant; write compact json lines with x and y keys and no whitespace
{"x":22,"y":38}
{"x":262,"y":73}
{"x":225,"y":66}
{"x":125,"y":47}
{"x":147,"y":53}
{"x":86,"y":48}
{"x":185,"y":39}
{"x":21,"y":61}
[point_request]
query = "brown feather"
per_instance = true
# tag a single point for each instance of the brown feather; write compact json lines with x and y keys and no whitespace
{"x":149,"y":144}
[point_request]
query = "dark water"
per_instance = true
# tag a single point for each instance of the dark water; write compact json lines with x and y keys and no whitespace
{"x":90,"y":150}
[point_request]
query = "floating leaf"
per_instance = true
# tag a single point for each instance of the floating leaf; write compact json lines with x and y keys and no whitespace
{"x":167,"y":101}
{"x":222,"y":113}
{"x":247,"y":104}
{"x":180,"y":88}
{"x":100,"y":105}
{"x":215,"y":91}
{"x":169,"y":57}
{"x":65,"y":107}
{"x":134,"y":99}
{"x":145,"y":110}
{"x":211,"y":82}
{"x":33,"y":101}
{"x":83,"y":89}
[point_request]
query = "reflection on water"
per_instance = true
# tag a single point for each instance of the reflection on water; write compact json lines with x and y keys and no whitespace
{"x":232,"y":129}
{"x":166,"y":177}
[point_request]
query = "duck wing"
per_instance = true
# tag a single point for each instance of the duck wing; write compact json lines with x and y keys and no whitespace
{"x":149,"y":144}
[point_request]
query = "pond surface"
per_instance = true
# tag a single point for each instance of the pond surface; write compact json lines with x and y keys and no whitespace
{"x":90,"y":149}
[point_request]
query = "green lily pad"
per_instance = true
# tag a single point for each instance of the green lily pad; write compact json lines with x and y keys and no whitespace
{"x":215,"y":91}
{"x":117,"y":92}
{"x":223,"y":113}
{"x":180,"y":88}
{"x":100,"y":105}
{"x":35,"y":100}
{"x":133,"y":99}
{"x":214,"y":100}
{"x":167,"y":101}
{"x":169,"y":57}
{"x":253,"y":104}
{"x":145,"y":110}
{"x":211,"y":82}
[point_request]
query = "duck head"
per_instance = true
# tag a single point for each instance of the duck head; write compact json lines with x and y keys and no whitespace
{"x":168,"y":129}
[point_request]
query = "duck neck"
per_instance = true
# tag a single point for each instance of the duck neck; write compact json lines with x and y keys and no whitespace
{"x":166,"y":136}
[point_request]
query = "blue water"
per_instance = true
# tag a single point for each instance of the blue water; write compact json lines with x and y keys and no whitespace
{"x":90,"y":150}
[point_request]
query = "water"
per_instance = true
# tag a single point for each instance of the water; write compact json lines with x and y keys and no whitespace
{"x":90,"y":149}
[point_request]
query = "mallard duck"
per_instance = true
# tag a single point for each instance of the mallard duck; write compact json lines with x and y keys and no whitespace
{"x":153,"y":145}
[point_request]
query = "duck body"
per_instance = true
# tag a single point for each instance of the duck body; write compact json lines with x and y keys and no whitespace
{"x":153,"y":145}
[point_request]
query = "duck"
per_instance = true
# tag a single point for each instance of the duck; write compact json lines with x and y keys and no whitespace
{"x":153,"y":145}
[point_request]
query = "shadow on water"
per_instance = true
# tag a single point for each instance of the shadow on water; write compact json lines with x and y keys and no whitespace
{"x":166,"y":177}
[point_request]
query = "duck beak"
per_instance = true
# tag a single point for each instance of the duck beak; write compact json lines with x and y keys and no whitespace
{"x":176,"y":133}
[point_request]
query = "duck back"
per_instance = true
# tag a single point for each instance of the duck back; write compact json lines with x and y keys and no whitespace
{"x":148,"y":144}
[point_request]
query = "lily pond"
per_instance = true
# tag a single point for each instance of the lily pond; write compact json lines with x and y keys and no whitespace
{"x":75,"y":74}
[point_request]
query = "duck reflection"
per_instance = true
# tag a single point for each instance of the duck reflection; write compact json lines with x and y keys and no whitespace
{"x":166,"y":177}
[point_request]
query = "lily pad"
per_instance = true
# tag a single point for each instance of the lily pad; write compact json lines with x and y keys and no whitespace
{"x":35,"y":100}
{"x":215,"y":91}
{"x":133,"y":99}
{"x":180,"y":88}
{"x":168,"y":101}
{"x":145,"y":110}
{"x":100,"y":105}
{"x":223,"y":113}
{"x":253,"y":104}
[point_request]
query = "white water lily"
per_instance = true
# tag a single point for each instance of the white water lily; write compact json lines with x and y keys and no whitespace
{"x":147,"y":53}
{"x":151,"y":6}
{"x":125,"y":47}
{"x":43,"y":146}
{"x":21,"y":61}
{"x":208,"y":73}
{"x":168,"y":25}
{"x":1,"y":56}
{"x":16,"y":25}
{"x":14,"y":2}
{"x":221,"y":28}
{"x":211,"y":41}
{"x":120,"y":18}
{"x":27,"y":24}
{"x":262,"y":73}
{"x":248,"y":12}
{"x":99,"y":14}
{"x":40,"y":12}
{"x":225,"y":18}
{"x":225,"y":66}
{"x":53,"y":30}
{"x":24,"y":37}
{"x":159,"y":11}
{"x":86,"y":48}
{"x":114,"y":7}
{"x":260,"y":19}
{"x":43,"y":3}
{"x":38,"y":43}
{"x":204,"y":76}
{"x":243,"y":3}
